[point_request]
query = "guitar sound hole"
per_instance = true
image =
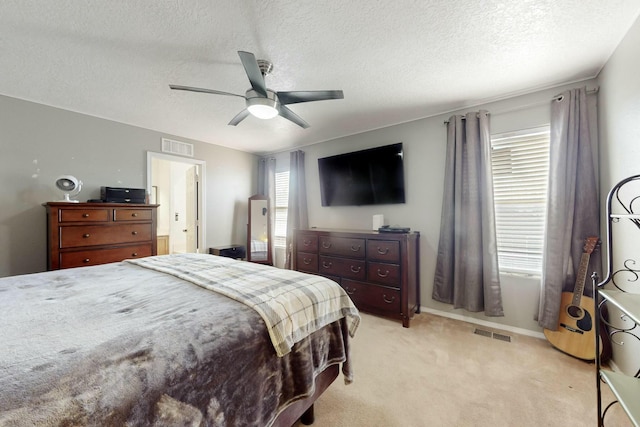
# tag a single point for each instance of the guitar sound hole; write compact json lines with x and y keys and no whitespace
{"x":575,"y":312}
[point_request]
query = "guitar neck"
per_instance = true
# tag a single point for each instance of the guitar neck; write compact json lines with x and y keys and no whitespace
{"x":581,"y":278}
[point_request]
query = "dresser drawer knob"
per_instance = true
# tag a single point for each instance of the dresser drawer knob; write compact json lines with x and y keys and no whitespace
{"x":387,"y":300}
{"x":326,"y":264}
{"x":355,"y":269}
{"x":85,"y":215}
{"x":134,"y":254}
{"x":326,"y":245}
{"x":86,"y":235}
{"x":307,"y":261}
{"x":86,"y":260}
{"x":306,"y":242}
{"x":383,"y":251}
{"x":349,"y":290}
{"x":381,"y":274}
{"x":355,"y":248}
{"x":135,"y":233}
{"x":134,"y":214}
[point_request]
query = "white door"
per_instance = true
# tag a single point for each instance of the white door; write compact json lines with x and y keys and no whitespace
{"x":191,"y":209}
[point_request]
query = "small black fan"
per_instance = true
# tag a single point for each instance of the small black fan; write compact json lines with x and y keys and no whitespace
{"x":70,"y":186}
{"x":265,"y":103}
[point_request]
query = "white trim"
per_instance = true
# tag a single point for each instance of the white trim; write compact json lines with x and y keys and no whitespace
{"x":485,"y":323}
{"x":202,"y":214}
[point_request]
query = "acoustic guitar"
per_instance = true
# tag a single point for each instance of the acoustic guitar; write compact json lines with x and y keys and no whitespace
{"x":576,"y":331}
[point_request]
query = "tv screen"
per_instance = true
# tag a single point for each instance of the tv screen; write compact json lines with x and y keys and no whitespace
{"x":368,"y":177}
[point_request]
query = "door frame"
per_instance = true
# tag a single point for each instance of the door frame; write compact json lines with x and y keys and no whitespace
{"x":200,"y":193}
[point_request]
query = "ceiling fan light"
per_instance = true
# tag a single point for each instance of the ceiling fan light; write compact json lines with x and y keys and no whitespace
{"x":260,"y":106}
{"x":263,"y":111}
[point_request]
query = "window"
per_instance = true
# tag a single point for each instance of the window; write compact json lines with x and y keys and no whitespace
{"x":520,"y":163}
{"x":281,"y":209}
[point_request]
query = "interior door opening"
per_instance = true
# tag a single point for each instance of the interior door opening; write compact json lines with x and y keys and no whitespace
{"x":176,"y":184}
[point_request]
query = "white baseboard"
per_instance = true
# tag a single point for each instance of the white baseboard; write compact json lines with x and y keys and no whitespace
{"x":485,"y":323}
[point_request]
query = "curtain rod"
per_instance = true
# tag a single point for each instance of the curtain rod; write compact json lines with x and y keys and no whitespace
{"x":558,"y":97}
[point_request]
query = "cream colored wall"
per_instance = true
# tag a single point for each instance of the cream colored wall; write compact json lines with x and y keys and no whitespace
{"x":424,"y":153}
{"x":620,"y":157}
{"x":39,"y":143}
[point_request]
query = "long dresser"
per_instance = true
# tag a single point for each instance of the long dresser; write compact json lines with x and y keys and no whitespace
{"x":379,"y":271}
{"x":82,"y":234}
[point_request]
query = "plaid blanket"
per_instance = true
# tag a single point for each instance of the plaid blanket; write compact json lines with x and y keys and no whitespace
{"x":292,"y":304}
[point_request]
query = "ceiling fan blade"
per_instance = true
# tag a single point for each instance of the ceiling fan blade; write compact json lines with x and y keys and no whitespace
{"x":252,"y":69}
{"x":297,"y":96}
{"x":198,"y":89}
{"x":290,"y":115}
{"x":239,"y":117}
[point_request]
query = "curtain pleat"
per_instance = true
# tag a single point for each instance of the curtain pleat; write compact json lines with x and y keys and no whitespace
{"x":297,"y":215}
{"x":573,"y":212}
{"x":467,"y":273}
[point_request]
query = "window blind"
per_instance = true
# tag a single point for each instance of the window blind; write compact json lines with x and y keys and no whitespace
{"x":281,"y":209}
{"x":520,"y":167}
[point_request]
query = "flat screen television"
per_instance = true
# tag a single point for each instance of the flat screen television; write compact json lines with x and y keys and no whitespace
{"x":369,"y":177}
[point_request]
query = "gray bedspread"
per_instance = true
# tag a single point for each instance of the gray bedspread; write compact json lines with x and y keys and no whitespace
{"x":119,"y":345}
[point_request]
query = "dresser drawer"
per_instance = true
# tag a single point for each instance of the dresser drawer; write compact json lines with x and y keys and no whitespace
{"x":342,"y":246}
{"x":132,"y":214}
{"x":84,"y":215}
{"x":102,"y":256}
{"x":373,"y":297}
{"x":307,"y":262}
{"x":342,"y":267}
{"x":383,"y":250}
{"x":386,"y":274}
{"x":93,"y":235}
{"x":307,"y":242}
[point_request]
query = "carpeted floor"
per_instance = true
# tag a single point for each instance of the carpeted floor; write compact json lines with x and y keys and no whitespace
{"x":440,"y":373}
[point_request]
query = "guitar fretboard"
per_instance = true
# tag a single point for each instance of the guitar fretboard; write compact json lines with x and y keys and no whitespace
{"x":582,"y":275}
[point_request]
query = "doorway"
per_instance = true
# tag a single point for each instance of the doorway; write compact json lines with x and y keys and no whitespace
{"x":177,"y":185}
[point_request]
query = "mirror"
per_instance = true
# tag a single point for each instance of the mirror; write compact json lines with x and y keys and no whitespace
{"x":259,"y":230}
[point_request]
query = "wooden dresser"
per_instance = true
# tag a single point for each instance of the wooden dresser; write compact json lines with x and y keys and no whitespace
{"x":81,"y":234}
{"x":379,"y":271}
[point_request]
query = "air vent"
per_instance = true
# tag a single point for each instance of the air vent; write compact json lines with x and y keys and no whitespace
{"x":177,"y":147}
{"x":502,"y":337}
{"x":482,"y":332}
{"x":495,"y":335}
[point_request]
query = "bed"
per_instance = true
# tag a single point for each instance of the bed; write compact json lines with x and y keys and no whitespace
{"x":166,"y":341}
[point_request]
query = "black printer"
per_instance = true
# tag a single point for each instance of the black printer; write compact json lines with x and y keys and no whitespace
{"x":123,"y":195}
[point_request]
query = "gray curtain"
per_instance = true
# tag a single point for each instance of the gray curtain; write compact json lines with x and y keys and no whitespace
{"x":267,"y":187}
{"x":573,"y":212}
{"x":297,"y":215}
{"x":467,"y":273}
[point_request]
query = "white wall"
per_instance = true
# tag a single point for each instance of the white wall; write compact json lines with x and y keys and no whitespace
{"x":620,"y":157}
{"x":424,"y":144}
{"x":39,"y":143}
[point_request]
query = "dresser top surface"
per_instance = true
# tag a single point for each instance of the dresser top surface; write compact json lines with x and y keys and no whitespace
{"x":352,"y":231}
{"x":97,"y":205}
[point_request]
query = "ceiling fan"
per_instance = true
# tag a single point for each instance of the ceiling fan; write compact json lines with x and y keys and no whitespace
{"x":265,"y":103}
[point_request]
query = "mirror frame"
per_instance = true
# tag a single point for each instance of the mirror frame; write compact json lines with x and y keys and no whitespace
{"x":268,"y":260}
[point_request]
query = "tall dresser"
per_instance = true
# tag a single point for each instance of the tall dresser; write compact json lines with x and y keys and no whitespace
{"x":379,"y":271}
{"x":81,"y":234}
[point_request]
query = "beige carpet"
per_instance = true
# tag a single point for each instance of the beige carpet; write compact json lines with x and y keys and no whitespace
{"x":439,"y":373}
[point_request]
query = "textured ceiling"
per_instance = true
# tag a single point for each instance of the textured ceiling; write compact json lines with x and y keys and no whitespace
{"x":396,"y":61}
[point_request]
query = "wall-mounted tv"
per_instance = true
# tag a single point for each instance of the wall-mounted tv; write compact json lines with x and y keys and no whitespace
{"x":369,"y":177}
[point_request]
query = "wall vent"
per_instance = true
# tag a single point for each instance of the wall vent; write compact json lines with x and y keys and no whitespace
{"x":495,"y":335}
{"x":177,"y":147}
{"x":482,"y":332}
{"x":502,"y":337}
